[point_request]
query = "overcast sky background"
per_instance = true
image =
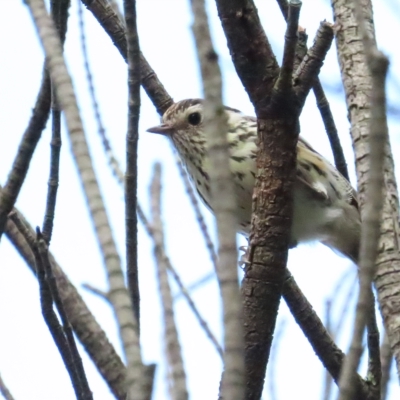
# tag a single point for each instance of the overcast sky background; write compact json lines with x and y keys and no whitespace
{"x":29,"y":361}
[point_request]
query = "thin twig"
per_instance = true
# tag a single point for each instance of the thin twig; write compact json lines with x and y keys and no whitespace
{"x":132,"y":138}
{"x":330,"y":128}
{"x":185,"y":293}
{"x":313,"y":328}
{"x":347,"y":298}
{"x":224,"y":206}
{"x":289,"y":52}
{"x":100,"y":293}
{"x":334,"y":330}
{"x":183,"y":289}
{"x":199,"y":282}
{"x":48,"y":220}
{"x":326,"y":114}
{"x":309,"y":68}
{"x":66,"y":326}
{"x":26,"y":148}
{"x":113,"y":162}
{"x":46,"y":302}
{"x":66,"y":344}
{"x":59,"y":12}
{"x":197,"y":211}
{"x":173,"y":348}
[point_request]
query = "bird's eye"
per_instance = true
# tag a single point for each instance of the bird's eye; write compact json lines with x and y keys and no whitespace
{"x":194,"y":118}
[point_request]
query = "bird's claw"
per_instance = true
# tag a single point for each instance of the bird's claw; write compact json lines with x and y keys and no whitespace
{"x":243,"y":260}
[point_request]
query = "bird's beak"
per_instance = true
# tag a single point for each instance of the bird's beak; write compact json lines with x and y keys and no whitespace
{"x":163,"y":129}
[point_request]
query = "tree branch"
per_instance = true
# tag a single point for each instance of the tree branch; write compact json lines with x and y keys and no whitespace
{"x":224,"y":206}
{"x":356,"y":76}
{"x":330,"y":355}
{"x":28,"y":145}
{"x":59,"y":11}
{"x":250,"y":49}
{"x":132,"y":138}
{"x":173,"y":348}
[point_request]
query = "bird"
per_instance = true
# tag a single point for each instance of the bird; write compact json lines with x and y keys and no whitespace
{"x":325,"y":204}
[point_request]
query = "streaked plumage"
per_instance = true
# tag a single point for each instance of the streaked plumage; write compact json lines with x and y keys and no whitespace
{"x":325,"y":205}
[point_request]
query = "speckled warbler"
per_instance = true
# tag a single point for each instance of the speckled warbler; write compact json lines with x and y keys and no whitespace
{"x":325,"y":206}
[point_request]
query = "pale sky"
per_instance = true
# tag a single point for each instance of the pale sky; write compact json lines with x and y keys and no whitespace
{"x":29,"y":361}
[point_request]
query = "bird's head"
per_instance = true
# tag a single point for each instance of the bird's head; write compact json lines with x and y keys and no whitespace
{"x":183,"y":123}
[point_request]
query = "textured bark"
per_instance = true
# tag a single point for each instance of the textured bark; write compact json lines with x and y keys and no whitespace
{"x":357,"y":83}
{"x":250,"y":50}
{"x":269,"y":241}
{"x":277,"y":108}
{"x":132,"y":138}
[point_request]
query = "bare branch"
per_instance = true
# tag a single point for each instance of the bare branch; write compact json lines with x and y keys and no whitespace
{"x":185,"y":293}
{"x":330,"y":128}
{"x":59,"y":12}
{"x":62,"y":335}
{"x":89,"y":77}
{"x":96,"y":291}
{"x":132,"y":138}
{"x":28,"y":144}
{"x":289,"y":51}
{"x":370,"y":211}
{"x":313,"y":328}
{"x":309,"y":68}
{"x":48,"y":220}
{"x":250,"y":49}
{"x":197,"y":211}
{"x":324,"y":109}
{"x":173,"y":348}
{"x":356,"y":76}
{"x":33,"y":133}
{"x":47,"y":287}
{"x":278,"y":130}
{"x":224,"y":206}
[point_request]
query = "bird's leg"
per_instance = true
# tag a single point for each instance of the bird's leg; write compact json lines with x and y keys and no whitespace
{"x":244,"y":258}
